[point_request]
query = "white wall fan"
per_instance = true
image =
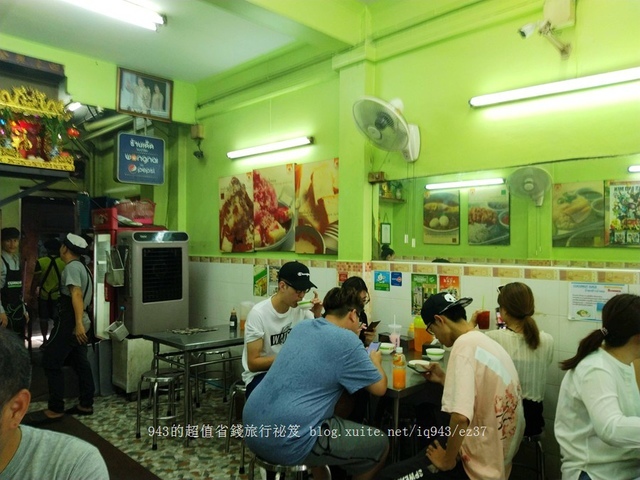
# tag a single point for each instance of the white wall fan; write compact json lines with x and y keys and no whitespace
{"x":384,"y":125}
{"x":530,"y":182}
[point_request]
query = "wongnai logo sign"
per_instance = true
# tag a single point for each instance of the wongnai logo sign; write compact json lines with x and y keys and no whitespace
{"x":140,"y":159}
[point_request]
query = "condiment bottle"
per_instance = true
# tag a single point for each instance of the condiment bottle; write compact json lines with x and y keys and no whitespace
{"x":233,"y":321}
{"x":399,"y":369}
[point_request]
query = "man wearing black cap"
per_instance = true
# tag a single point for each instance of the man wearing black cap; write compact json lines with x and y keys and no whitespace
{"x":270,"y":321}
{"x":481,"y":393}
{"x":13,"y":313}
{"x":69,"y":336}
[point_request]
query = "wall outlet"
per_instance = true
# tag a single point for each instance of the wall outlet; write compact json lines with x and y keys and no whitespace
{"x":377,"y":177}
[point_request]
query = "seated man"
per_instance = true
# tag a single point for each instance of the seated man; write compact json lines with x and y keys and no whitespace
{"x":270,"y":321}
{"x":27,"y":452}
{"x":289,"y":419}
{"x":482,"y":395}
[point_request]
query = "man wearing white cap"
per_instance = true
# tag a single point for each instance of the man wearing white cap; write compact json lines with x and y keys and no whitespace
{"x":69,"y":336}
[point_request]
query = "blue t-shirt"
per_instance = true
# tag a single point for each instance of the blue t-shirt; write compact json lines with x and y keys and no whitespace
{"x":319,"y":361}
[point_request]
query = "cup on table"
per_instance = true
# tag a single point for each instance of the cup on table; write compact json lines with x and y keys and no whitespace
{"x":483,"y":319}
{"x":242,"y":322}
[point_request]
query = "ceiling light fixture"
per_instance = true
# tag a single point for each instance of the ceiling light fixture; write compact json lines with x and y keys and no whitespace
{"x":124,"y":11}
{"x":634,"y":169}
{"x":563,"y":86}
{"x":465,"y":183}
{"x":270,"y":147}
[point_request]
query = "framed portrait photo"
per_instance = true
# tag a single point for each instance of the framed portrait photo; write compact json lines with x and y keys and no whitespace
{"x":144,"y":95}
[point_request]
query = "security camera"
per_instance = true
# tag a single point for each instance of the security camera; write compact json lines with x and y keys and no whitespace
{"x":527,"y":30}
{"x":199,"y":154}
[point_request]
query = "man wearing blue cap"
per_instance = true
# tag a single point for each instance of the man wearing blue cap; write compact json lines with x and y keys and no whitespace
{"x":13,"y":313}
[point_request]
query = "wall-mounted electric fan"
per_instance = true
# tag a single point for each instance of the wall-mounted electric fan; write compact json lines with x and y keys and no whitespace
{"x":383,"y":124}
{"x":530,"y":182}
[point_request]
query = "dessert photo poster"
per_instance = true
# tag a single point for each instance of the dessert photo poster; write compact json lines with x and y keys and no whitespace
{"x":316,"y":187}
{"x":236,"y":213}
{"x":273,"y":208}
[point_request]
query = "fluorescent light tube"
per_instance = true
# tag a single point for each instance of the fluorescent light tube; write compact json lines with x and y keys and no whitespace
{"x":124,"y":11}
{"x":270,"y":147}
{"x":73,"y":106}
{"x":465,"y":183}
{"x":634,"y":169}
{"x":581,"y":83}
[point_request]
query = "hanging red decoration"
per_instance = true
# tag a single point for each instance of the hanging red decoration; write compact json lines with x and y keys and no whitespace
{"x":73,"y":132}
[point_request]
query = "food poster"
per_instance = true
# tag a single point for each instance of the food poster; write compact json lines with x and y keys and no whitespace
{"x":489,"y":216}
{"x":273,"y":208}
{"x":586,"y":300}
{"x":260,"y":280}
{"x":422,"y":285}
{"x":317,"y":207}
{"x":450,"y":284}
{"x":623,"y":214}
{"x":578,"y":214}
{"x":236,"y":213}
{"x":441,"y":213}
{"x":273,"y":280}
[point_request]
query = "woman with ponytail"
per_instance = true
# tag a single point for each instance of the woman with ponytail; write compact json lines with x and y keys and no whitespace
{"x":530,"y":349}
{"x":598,"y":417}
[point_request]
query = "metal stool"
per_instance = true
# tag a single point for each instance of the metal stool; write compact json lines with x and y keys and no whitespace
{"x":237,"y":388}
{"x":167,"y":379}
{"x":200,"y":369}
{"x":539,"y":468}
{"x":297,"y":472}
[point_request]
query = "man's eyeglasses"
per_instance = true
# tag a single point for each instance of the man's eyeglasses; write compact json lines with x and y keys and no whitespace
{"x":299,"y":292}
{"x":429,"y":328}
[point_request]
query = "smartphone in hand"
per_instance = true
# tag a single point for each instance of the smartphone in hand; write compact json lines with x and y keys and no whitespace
{"x":373,"y":346}
{"x":371,"y":327}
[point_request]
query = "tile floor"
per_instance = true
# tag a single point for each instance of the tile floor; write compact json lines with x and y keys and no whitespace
{"x":115,"y":420}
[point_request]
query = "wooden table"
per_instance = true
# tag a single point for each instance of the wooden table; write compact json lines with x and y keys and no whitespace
{"x":187,"y":344}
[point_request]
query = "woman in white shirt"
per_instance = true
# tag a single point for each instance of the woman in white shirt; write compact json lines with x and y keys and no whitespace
{"x":598,"y":417}
{"x":530,"y":349}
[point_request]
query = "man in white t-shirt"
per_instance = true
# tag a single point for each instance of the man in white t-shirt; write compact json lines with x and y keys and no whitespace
{"x":270,"y":321}
{"x":481,"y":393}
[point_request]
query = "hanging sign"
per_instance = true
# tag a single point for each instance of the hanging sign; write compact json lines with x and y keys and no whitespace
{"x":140,"y":159}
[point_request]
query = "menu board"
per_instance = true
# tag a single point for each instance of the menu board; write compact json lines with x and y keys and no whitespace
{"x":273,"y":208}
{"x":236,"y":213}
{"x":317,"y":195}
{"x":623,"y":214}
{"x":578,"y":214}
{"x":489,"y":216}
{"x":586,"y":300}
{"x":441,"y":217}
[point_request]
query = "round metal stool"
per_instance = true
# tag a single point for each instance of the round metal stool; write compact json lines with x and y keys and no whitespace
{"x":288,"y":472}
{"x":238,"y":389}
{"x":165,"y":379}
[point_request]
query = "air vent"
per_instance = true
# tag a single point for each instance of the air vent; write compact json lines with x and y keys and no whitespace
{"x":161,"y":274}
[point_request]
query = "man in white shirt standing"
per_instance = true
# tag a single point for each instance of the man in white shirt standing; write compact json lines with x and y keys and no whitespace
{"x":270,"y":321}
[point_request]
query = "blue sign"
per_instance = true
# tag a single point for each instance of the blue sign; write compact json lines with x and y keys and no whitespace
{"x":140,"y":159}
{"x":396,"y":279}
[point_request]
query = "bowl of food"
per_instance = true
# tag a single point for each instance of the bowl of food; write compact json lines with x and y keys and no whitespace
{"x":305,"y":304}
{"x":387,"y":348}
{"x":435,"y":354}
{"x":309,"y":240}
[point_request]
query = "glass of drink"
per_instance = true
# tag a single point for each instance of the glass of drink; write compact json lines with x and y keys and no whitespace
{"x":482,"y":319}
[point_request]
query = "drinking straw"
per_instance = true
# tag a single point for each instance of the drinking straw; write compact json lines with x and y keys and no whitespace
{"x":483,"y":302}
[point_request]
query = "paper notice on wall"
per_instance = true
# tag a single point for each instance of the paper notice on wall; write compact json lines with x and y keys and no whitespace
{"x":449,"y":283}
{"x":586,"y":300}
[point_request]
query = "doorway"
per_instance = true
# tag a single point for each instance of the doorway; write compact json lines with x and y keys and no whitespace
{"x":42,"y":217}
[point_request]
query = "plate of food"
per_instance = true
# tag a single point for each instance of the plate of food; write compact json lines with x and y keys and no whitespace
{"x":309,"y":240}
{"x":486,"y":224}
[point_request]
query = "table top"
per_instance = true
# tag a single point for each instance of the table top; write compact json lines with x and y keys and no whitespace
{"x":415,"y":381}
{"x":217,"y":337}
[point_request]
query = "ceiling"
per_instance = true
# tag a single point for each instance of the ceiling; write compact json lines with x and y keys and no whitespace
{"x":202,"y":38}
